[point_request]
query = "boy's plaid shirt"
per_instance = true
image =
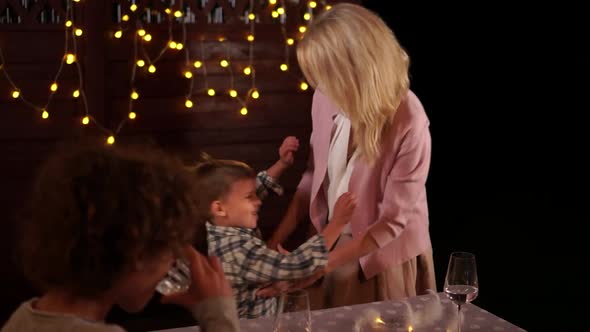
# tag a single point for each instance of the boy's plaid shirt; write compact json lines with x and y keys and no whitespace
{"x":249,"y":264}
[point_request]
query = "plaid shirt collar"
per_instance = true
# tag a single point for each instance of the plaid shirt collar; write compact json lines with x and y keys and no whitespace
{"x":222,"y":231}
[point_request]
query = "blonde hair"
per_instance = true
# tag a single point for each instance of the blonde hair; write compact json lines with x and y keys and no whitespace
{"x":352,"y":56}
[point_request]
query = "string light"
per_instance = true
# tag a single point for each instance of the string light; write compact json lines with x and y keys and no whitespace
{"x":53,"y":87}
{"x":78,"y":32}
{"x":45,"y":114}
{"x":111,"y":140}
{"x":85,"y":120}
{"x":118,"y":34}
{"x":76,"y":93}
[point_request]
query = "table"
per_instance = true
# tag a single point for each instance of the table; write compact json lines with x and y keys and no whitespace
{"x":433,"y":312}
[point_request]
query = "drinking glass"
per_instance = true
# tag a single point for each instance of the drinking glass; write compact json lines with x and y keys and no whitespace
{"x":461,"y":285}
{"x":178,"y":279}
{"x":293,"y":314}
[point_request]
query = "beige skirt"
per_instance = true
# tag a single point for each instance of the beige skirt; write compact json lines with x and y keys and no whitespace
{"x":347,"y":285}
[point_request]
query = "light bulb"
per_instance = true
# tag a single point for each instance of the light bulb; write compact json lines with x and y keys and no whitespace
{"x":178,"y":14}
{"x":303,"y":86}
{"x":328,"y":7}
{"x":85,"y":120}
{"x":78,"y":32}
{"x":233,"y":93}
{"x":313,"y":4}
{"x":118,"y":34}
{"x":53,"y":87}
{"x":281,"y":10}
{"x":179,"y":46}
{"x":152,"y":69}
{"x":272,"y":2}
{"x":134,"y":95}
{"x":172,"y":44}
{"x":125,"y":18}
{"x":15,"y":94}
{"x":211,"y":92}
{"x":250,"y":38}
{"x":197,"y":64}
{"x":302,"y":29}
{"x":290,"y":41}
{"x":147,"y":37}
{"x":76,"y":93}
{"x":132,"y":115}
{"x":168,"y":11}
{"x":275,"y":14}
{"x":69,"y":23}
{"x":284,"y":67}
{"x":141,"y":32}
{"x":248,"y":70}
{"x":111,"y":140}
{"x":70,"y":58}
{"x":307,"y":16}
{"x":251,"y":16}
{"x":188,"y":74}
{"x":224,"y":63}
{"x":133,"y":7}
{"x":255,"y":94}
{"x":140,"y":63}
{"x":45,"y":114}
{"x":244,"y":111}
{"x":188,"y":103}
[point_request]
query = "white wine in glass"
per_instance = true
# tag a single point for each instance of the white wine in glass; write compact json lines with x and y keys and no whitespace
{"x":461,"y":285}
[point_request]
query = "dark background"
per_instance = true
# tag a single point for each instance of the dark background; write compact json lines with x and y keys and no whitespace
{"x":503,"y":87}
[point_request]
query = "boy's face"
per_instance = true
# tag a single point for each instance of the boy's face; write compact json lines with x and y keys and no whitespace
{"x":239,"y":208}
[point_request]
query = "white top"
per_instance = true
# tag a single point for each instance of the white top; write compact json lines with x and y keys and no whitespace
{"x":339,"y":170}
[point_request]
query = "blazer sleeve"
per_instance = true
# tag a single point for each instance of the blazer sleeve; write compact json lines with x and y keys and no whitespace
{"x":405,"y":186}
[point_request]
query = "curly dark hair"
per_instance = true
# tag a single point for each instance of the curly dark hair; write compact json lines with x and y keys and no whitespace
{"x":214,"y":178}
{"x":95,"y":208}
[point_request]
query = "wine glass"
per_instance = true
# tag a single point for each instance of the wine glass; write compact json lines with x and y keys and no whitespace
{"x":293,"y":314}
{"x":461,"y":284}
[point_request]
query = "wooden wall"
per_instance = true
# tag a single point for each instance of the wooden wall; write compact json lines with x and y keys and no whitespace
{"x":32,"y":52}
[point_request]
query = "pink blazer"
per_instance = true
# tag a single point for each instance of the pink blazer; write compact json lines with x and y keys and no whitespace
{"x":391,"y":194}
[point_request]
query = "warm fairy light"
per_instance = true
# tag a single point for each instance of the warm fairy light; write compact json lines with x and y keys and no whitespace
{"x":125,"y":18}
{"x":221,"y":39}
{"x":134,"y":95}
{"x":224,"y":63}
{"x":255,"y":94}
{"x":69,"y":23}
{"x":281,"y":11}
{"x":53,"y":87}
{"x":188,"y":103}
{"x":251,"y":16}
{"x":168,"y":11}
{"x":313,"y":4}
{"x":178,"y":14}
{"x":250,"y":38}
{"x":45,"y":114}
{"x":141,"y":32}
{"x":410,"y":328}
{"x":188,"y":74}
{"x":76,"y":93}
{"x":76,"y":0}
{"x":132,"y":115}
{"x":85,"y":120}
{"x":378,"y":320}
{"x":118,"y":34}
{"x":284,"y":67}
{"x":133,"y":7}
{"x":147,"y":37}
{"x":152,"y":69}
{"x":78,"y":32}
{"x":179,"y":46}
{"x":274,"y":14}
{"x":303,"y":86}
{"x":307,"y":16}
{"x":233,"y":93}
{"x":328,"y":7}
{"x":272,"y":2}
{"x":111,"y":140}
{"x":172,"y":44}
{"x":248,"y":70}
{"x":211,"y":92}
{"x":290,"y":41}
{"x":70,"y":58}
{"x":15,"y":94}
{"x":197,"y":64}
{"x":140,"y":63}
{"x":302,"y":29}
{"x":244,"y":111}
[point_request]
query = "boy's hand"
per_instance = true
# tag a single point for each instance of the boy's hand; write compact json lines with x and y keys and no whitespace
{"x":207,"y":281}
{"x":343,"y":208}
{"x":286,"y":152}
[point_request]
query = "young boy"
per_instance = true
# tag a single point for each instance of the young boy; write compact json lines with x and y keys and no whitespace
{"x":229,"y":192}
{"x":105,"y":226}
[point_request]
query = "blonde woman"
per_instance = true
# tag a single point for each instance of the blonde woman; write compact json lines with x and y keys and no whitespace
{"x":370,"y":137}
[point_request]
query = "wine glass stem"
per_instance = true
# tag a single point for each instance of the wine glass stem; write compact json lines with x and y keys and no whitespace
{"x":458,"y":318}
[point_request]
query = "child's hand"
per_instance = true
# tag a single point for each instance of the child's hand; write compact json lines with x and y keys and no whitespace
{"x":343,"y":208}
{"x":207,"y":280}
{"x":287,"y":150}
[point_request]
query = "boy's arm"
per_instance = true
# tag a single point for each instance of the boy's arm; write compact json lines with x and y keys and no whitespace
{"x":261,"y":264}
{"x":268,"y":179}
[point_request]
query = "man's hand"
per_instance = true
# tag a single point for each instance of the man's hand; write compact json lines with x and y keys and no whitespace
{"x":207,"y":280}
